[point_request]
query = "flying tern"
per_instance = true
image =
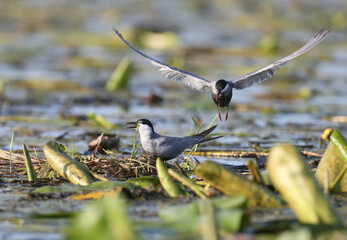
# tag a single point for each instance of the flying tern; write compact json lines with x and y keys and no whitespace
{"x":222,"y":90}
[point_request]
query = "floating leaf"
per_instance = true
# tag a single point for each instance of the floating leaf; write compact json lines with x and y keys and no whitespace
{"x":269,"y":43}
{"x":65,"y":166}
{"x":145,"y":182}
{"x":108,"y":185}
{"x":30,"y":119}
{"x":293,"y":179}
{"x":234,"y":185}
{"x":100,"y":121}
{"x":95,"y":186}
{"x":121,"y":76}
{"x":64,"y":188}
{"x":159,"y":40}
{"x":96,"y":195}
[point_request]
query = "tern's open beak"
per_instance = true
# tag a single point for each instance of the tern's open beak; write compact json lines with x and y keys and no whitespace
{"x":133,"y":123}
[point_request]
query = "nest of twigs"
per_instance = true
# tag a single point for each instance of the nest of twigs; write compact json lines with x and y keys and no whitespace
{"x":122,"y":168}
{"x":13,"y":165}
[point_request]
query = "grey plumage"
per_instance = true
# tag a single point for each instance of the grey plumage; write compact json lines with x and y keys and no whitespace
{"x":222,"y":97}
{"x":167,"y":147}
{"x":269,"y":71}
{"x":190,"y":79}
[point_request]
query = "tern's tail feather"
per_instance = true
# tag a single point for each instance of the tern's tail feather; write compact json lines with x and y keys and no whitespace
{"x":209,"y":139}
{"x":205,"y":133}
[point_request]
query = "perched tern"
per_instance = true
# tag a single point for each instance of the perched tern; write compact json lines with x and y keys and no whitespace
{"x":222,"y":90}
{"x":167,"y":147}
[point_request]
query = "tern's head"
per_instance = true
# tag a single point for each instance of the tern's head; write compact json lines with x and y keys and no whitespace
{"x":220,"y":85}
{"x":144,"y":125}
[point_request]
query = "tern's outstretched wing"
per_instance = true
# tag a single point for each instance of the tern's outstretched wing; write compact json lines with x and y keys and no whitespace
{"x":264,"y":73}
{"x":190,"y":79}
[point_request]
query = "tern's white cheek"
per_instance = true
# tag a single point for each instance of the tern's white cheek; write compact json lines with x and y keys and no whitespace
{"x":145,"y":131}
{"x":214,"y":90}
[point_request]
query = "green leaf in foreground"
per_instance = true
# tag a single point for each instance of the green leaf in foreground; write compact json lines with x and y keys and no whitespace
{"x":171,"y":187}
{"x":103,"y":220}
{"x":230,"y":214}
{"x":121,"y":76}
{"x":293,"y":179}
{"x":333,"y":164}
{"x":188,"y":183}
{"x":235,"y":185}
{"x":209,"y":228}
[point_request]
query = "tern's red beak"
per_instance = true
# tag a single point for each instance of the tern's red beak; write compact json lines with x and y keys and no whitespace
{"x":218,"y":94}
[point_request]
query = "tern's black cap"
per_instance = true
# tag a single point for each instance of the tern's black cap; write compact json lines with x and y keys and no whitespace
{"x":221,"y":84}
{"x":145,"y":121}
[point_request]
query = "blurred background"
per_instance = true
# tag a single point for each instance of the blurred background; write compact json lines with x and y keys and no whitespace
{"x":57,"y":56}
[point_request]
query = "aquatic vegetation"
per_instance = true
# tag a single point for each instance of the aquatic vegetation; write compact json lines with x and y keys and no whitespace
{"x":213,"y":215}
{"x":171,"y":186}
{"x":105,"y":219}
{"x":121,"y":76}
{"x":331,"y":171}
{"x":297,"y":184}
{"x":58,"y":57}
{"x":67,"y":167}
{"x":233,"y":184}
{"x":29,"y":165}
{"x":100,"y":121}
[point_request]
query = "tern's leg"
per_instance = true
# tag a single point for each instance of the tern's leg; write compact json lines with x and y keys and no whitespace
{"x":220,"y":118}
{"x":178,"y":166}
{"x":226,"y":115}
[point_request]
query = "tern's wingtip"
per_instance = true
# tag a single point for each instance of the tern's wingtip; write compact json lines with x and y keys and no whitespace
{"x":116,"y":31}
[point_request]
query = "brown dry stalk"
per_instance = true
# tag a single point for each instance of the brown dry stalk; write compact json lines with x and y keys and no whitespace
{"x":241,"y":153}
{"x":18,"y":158}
